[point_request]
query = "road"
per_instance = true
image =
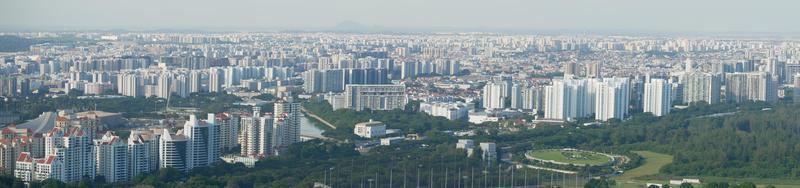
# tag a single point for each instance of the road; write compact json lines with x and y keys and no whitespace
{"x":312,"y":115}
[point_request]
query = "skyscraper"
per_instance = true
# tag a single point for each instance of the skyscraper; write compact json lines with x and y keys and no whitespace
{"x":567,"y":99}
{"x":195,"y":78}
{"x":613,"y":96}
{"x":228,"y":129}
{"x":493,"y":95}
{"x":232,"y":76}
{"x":215,"y":79}
{"x":657,"y":97}
{"x":312,"y":81}
{"x":796,"y":96}
{"x":181,"y":85}
{"x":376,"y":97}
{"x":517,"y":99}
{"x":265,"y":136}
{"x":8,"y":86}
{"x":163,"y":87}
{"x":698,"y":86}
{"x":173,"y":151}
{"x":532,"y":98}
{"x":203,"y":142}
{"x":129,"y":85}
{"x":142,"y":152}
{"x":73,"y":148}
{"x":570,"y":69}
{"x":408,"y":70}
{"x":286,"y":124}
{"x":594,"y":70}
{"x":751,"y":86}
{"x":112,"y":158}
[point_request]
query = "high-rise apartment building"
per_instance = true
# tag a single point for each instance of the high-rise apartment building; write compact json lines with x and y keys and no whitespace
{"x":73,"y":149}
{"x":751,"y":86}
{"x":143,"y":150}
{"x":567,"y":99}
{"x":612,"y":98}
{"x":112,"y":158}
{"x":374,"y":97}
{"x":286,"y":125}
{"x":494,"y":95}
{"x":203,"y":138}
{"x":657,"y":97}
{"x":228,"y":126}
{"x":698,"y":86}
{"x":594,"y":70}
{"x":532,"y":98}
{"x":216,"y":78}
{"x":173,"y":151}
{"x":516,"y":96}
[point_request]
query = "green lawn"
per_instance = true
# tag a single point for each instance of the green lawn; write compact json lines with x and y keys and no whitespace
{"x":573,"y":157}
{"x":652,"y":164}
{"x":654,"y":161}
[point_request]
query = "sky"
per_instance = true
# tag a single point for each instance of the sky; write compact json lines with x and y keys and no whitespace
{"x":723,"y":16}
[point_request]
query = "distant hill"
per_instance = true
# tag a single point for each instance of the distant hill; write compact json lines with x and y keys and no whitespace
{"x":10,"y":43}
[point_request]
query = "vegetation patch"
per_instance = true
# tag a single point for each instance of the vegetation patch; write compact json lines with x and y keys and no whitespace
{"x":570,"y":157}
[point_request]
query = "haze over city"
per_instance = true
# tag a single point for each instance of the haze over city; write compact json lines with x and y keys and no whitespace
{"x":404,"y":93}
{"x":628,"y":16}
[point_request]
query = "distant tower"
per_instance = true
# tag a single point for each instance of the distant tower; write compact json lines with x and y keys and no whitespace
{"x":689,"y":65}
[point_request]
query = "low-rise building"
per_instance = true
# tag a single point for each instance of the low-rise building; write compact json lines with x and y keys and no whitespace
{"x":449,"y":110}
{"x":370,"y":129}
{"x":391,"y":140}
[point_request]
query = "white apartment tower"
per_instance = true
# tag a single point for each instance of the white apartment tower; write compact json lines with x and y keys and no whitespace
{"x":532,"y":98}
{"x":657,"y":97}
{"x":203,"y":143}
{"x":698,"y":86}
{"x":195,"y":78}
{"x":750,"y":86}
{"x":72,"y":147}
{"x":493,"y":95}
{"x":173,"y":151}
{"x":376,"y":97}
{"x":613,"y":96}
{"x":215,"y":79}
{"x":163,"y":87}
{"x":286,"y":125}
{"x":567,"y":99}
{"x":112,"y":158}
{"x":516,"y":97}
{"x":142,"y":152}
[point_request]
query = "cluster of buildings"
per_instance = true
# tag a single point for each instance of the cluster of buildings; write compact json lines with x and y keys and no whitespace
{"x":72,"y":152}
{"x":573,"y":97}
{"x":74,"y":147}
{"x":266,"y":134}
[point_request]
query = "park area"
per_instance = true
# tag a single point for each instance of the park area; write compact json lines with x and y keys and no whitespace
{"x":570,"y":157}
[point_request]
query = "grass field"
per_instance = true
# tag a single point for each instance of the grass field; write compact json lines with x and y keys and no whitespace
{"x":652,"y":164}
{"x":654,"y":161}
{"x":572,"y":157}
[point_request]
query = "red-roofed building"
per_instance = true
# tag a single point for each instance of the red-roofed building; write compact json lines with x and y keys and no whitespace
{"x":74,"y":150}
{"x":112,"y":155}
{"x":228,"y":130}
{"x":31,"y":169}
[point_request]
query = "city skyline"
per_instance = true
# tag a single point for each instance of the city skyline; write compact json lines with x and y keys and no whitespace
{"x":376,"y":93}
{"x":625,"y":16}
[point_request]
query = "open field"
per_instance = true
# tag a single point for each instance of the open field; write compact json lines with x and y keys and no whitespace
{"x":575,"y":157}
{"x":654,"y":161}
{"x":652,"y":164}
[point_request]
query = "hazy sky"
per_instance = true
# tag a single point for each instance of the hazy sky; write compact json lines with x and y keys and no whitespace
{"x":770,"y":16}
